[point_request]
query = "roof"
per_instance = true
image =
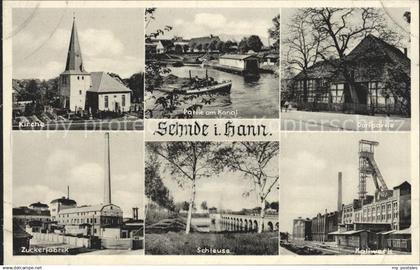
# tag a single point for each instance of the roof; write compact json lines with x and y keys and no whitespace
{"x":166,"y":43}
{"x":321,"y":69}
{"x":370,"y":47}
{"x":404,"y":184}
{"x":203,"y":40}
{"x":373,"y":47}
{"x":102,"y":82}
{"x":38,"y":204}
{"x":405,"y":231}
{"x":19,"y":232}
{"x":386,"y":233}
{"x":272,"y":55}
{"x":74,"y":56}
{"x":347,"y":232}
{"x":64,"y":200}
{"x":86,"y":208}
{"x":237,"y":56}
{"x":25,"y":211}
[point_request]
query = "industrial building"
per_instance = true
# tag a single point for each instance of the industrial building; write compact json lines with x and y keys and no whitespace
{"x":376,"y":222}
{"x":302,"y":229}
{"x":103,"y":224}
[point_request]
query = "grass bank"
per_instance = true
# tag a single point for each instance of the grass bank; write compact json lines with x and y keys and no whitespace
{"x":172,"y":243}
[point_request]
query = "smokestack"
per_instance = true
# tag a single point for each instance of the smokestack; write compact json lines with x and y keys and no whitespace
{"x":340,"y":192}
{"x":135,"y":213}
{"x":107,"y":180}
{"x":68,"y":192}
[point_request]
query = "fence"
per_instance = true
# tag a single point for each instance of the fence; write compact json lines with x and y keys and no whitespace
{"x":57,"y":238}
{"x":110,"y":243}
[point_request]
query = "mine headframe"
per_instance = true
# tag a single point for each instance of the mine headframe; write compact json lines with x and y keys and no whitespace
{"x":369,"y":168}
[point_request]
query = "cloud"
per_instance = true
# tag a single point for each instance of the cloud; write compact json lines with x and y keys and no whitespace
{"x":43,"y":56}
{"x":100,"y":43}
{"x":45,"y":70}
{"x":213,"y":21}
{"x":114,"y":64}
{"x":27,"y":194}
{"x":217,"y":24}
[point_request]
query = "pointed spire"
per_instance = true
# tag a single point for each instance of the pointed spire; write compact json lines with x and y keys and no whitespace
{"x":74,"y":55}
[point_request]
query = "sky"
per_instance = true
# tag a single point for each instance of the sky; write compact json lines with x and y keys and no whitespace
{"x":223,"y":191}
{"x":227,"y":22}
{"x":310,"y":163}
{"x":44,"y":164}
{"x":111,"y":40}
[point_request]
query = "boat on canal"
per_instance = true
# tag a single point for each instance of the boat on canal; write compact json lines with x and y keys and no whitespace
{"x":222,"y":87}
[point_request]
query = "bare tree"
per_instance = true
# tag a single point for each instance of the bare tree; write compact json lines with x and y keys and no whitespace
{"x":187,"y":162}
{"x":339,"y":28}
{"x":302,"y":46}
{"x":258,"y":162}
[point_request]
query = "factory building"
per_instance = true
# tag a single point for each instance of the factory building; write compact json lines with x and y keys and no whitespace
{"x":323,"y":224}
{"x":376,"y":222}
{"x":302,"y":229}
{"x":90,"y":220}
{"x":60,"y":204}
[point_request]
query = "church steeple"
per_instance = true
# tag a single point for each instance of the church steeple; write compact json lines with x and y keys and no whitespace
{"x":74,"y":55}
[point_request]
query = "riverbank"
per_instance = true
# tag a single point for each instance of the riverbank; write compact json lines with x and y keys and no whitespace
{"x":172,"y":243}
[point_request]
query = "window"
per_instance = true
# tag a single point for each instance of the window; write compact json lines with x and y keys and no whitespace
{"x":123,"y":100}
{"x":80,"y":92}
{"x":383,"y":212}
{"x":78,"y":78}
{"x":106,"y":102}
{"x":336,"y":90}
{"x":83,"y":77}
{"x":377,"y":94}
{"x":311,"y":90}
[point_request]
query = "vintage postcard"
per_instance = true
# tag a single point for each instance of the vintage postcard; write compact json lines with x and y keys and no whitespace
{"x":211,"y":133}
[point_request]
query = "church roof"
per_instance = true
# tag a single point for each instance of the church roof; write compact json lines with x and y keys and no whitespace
{"x":74,"y":63}
{"x":102,"y":82}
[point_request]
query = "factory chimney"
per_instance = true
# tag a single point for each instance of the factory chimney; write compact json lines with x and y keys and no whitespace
{"x":340,"y":192}
{"x":135,"y":213}
{"x":107,"y":180}
{"x":68,"y":192}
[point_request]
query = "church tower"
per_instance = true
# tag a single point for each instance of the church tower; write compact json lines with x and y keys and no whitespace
{"x":75,"y":80}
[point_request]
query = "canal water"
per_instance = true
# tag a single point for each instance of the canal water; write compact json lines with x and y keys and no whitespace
{"x":257,"y":98}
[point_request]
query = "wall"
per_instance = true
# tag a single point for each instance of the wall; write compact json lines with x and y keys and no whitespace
{"x":122,"y":243}
{"x":72,"y":89}
{"x":112,"y":99}
{"x":57,"y":238}
{"x":232,"y":62}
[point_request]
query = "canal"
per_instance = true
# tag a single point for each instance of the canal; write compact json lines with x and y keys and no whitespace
{"x":257,"y":98}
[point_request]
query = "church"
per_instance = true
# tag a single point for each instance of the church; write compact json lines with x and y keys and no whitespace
{"x":90,"y":91}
